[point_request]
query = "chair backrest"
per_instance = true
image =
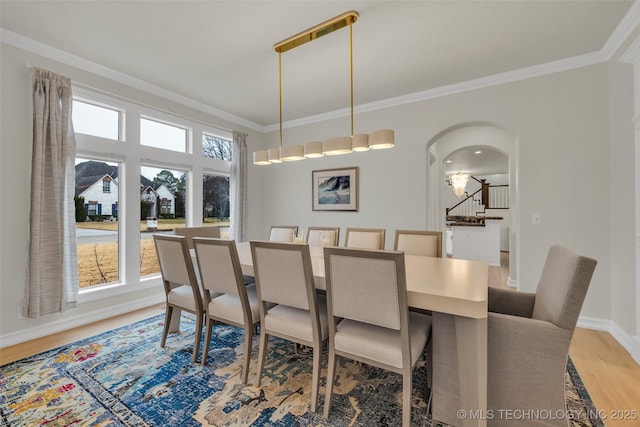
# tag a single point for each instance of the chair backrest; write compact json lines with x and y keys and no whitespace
{"x":219,"y":265}
{"x":367,"y":286}
{"x":176,"y":265}
{"x":562,"y":287}
{"x":283,"y":273}
{"x":314,"y":235}
{"x":364,"y":238}
{"x":191,"y":232}
{"x":283,"y":233}
{"x":419,"y":242}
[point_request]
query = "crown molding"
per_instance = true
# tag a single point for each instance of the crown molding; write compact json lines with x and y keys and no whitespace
{"x":629,"y":22}
{"x":632,"y":54}
{"x":467,"y":86}
{"x":69,"y":59}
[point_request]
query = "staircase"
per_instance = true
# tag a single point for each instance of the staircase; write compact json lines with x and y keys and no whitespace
{"x":487,"y":197}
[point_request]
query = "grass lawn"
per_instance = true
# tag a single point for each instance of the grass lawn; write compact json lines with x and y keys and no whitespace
{"x":164,"y":224}
{"x":98,"y":262}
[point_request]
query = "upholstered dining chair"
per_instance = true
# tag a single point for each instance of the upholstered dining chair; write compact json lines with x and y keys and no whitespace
{"x":528,"y":343}
{"x":289,"y":305}
{"x":419,"y":242}
{"x":314,"y":235}
{"x":364,"y":238}
{"x":226,"y":297}
{"x":283,"y":233}
{"x":191,"y":232}
{"x":369,"y":320}
{"x":180,"y":283}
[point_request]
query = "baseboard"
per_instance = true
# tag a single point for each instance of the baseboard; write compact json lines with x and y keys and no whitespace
{"x":594,"y":323}
{"x":628,"y":342}
{"x":512,"y":283}
{"x":79,"y":320}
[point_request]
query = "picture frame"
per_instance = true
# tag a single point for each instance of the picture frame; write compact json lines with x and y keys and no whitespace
{"x":335,"y":189}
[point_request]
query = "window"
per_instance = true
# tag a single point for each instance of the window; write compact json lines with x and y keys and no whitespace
{"x":170,"y":151}
{"x":96,"y":222}
{"x":215,"y":201}
{"x":162,"y":208}
{"x":95,"y":120}
{"x":216,"y":147}
{"x":161,"y":135}
{"x":92,"y":208}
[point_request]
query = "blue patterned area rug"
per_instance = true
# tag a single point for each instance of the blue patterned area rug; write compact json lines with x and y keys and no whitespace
{"x":123,"y":378}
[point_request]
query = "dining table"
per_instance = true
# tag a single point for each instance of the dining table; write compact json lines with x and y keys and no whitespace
{"x":456,"y":292}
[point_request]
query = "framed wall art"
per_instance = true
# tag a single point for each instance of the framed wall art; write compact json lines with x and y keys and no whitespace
{"x":335,"y":189}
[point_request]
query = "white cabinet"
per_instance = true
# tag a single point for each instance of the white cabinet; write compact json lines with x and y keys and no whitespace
{"x":477,"y":243}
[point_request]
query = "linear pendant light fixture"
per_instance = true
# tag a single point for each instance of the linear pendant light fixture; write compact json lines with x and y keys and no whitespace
{"x":333,"y":146}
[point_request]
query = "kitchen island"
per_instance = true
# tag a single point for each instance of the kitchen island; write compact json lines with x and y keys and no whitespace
{"x":476,"y":238}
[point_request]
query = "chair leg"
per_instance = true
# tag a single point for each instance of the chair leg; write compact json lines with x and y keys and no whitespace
{"x":198,"y":336}
{"x":331,"y":372}
{"x":165,"y":329}
{"x":207,"y":341}
{"x":248,"y":337}
{"x":261,"y":354}
{"x":406,"y":397}
{"x":315,"y":382}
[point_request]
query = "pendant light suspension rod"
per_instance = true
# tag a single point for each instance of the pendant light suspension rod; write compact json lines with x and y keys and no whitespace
{"x":280,"y":84}
{"x":351,"y":70}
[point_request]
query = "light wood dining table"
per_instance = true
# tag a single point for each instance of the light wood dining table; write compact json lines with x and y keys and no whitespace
{"x":454,"y":290}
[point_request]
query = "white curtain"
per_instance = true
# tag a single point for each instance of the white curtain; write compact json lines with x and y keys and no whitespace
{"x":52,"y":273}
{"x":238,"y":183}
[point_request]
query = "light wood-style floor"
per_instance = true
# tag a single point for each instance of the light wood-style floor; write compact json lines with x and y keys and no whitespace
{"x":611,"y":376}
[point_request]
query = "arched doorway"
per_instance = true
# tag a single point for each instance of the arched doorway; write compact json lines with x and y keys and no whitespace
{"x":456,"y":139}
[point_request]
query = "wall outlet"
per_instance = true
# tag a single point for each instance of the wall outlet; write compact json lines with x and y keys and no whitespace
{"x":536,"y":219}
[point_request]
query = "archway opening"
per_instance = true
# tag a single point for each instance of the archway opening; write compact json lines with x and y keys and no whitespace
{"x":487,"y":152}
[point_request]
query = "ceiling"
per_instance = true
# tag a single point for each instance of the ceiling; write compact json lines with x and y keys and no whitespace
{"x":220,"y":53}
{"x":477,"y":160}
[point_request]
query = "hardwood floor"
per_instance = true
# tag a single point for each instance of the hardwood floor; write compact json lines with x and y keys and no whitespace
{"x":611,"y":376}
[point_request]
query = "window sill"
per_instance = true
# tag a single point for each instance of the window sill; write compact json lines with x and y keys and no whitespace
{"x":112,"y":290}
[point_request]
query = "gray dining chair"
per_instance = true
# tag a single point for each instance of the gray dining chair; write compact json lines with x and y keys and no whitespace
{"x":528,"y":344}
{"x":419,"y":242}
{"x":191,"y":232}
{"x":364,"y":238}
{"x":226,"y":297}
{"x":180,"y":284}
{"x":289,"y":306}
{"x":369,"y":320}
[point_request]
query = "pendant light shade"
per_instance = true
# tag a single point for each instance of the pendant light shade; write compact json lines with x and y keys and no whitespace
{"x":274,"y":155}
{"x":360,"y":142}
{"x":313,"y":149}
{"x":289,"y":153}
{"x":384,"y":138}
{"x":335,"y":146}
{"x":261,"y":157}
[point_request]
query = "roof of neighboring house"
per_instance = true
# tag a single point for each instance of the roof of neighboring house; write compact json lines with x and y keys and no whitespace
{"x":89,"y":172}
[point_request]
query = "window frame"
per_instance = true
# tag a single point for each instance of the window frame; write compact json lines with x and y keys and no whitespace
{"x":131,"y":154}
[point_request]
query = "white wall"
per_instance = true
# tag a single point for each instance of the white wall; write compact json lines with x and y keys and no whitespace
{"x":561,"y":127}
